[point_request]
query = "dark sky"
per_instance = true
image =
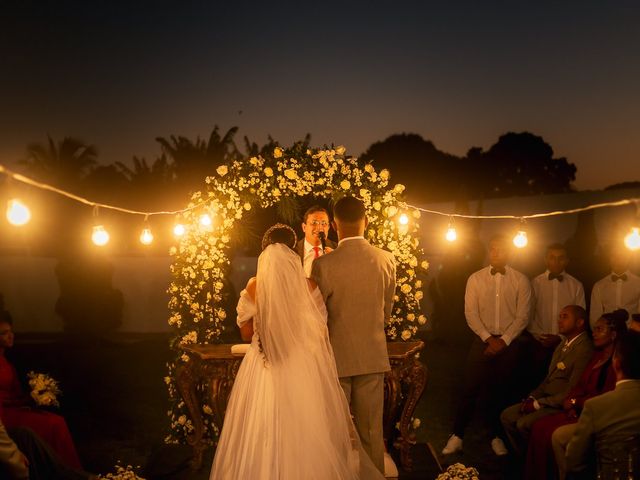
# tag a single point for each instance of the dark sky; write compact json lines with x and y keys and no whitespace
{"x":459,"y":73}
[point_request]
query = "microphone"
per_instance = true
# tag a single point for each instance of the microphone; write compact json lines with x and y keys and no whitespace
{"x":323,"y":240}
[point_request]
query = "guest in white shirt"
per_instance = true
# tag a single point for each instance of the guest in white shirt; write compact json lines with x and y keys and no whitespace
{"x":620,"y":289}
{"x":315,"y":223}
{"x":552,"y":291}
{"x":497,"y":307}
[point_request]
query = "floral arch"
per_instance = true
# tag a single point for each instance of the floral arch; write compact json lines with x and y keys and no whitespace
{"x":201,"y":259}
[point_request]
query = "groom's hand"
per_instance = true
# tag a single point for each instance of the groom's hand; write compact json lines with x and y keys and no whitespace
{"x":328,"y":250}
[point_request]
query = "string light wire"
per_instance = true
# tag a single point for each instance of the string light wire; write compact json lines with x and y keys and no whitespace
{"x":21,"y":178}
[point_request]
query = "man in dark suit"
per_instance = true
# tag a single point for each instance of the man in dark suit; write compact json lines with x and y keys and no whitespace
{"x":314,"y":222}
{"x":609,"y":420}
{"x":567,"y":364}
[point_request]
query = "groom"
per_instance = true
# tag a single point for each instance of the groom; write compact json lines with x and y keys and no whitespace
{"x":357,"y":282}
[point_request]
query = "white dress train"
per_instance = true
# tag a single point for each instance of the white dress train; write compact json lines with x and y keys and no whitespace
{"x":287,"y":416}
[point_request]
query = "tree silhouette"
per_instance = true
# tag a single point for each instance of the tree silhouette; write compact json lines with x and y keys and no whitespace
{"x":192,"y":162}
{"x":64,"y":164}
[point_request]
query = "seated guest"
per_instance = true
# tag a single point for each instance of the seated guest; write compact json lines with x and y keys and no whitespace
{"x":550,"y":435}
{"x":620,"y":289}
{"x":552,"y":290}
{"x":24,"y":455}
{"x":568,"y":361}
{"x":16,"y":409}
{"x":610,"y":419}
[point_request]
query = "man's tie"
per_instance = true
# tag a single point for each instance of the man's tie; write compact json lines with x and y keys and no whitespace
{"x":615,"y":278}
{"x":316,"y":252}
{"x":553,"y":276}
{"x":495,"y":270}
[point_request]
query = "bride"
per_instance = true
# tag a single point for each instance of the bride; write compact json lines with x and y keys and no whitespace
{"x":287,"y":417}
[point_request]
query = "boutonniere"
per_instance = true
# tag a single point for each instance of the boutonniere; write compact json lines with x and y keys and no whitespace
{"x":561,"y":366}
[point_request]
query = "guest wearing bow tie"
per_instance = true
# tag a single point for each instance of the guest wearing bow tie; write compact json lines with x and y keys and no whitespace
{"x":552,"y":290}
{"x":620,"y":289}
{"x":315,"y":221}
{"x":497,"y":306}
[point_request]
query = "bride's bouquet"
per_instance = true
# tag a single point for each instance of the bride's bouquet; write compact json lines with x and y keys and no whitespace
{"x":458,"y":471}
{"x":44,"y":389}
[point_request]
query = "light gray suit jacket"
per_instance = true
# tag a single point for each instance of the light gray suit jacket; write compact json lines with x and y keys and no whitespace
{"x":556,"y":385}
{"x":357,"y":282}
{"x":606,"y":419}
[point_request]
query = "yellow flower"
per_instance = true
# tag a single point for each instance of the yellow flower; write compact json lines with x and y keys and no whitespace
{"x":422,"y":319}
{"x":392,"y":210}
{"x":411,"y":317}
{"x":268,"y":172}
{"x":340,"y":150}
{"x":345,"y":184}
{"x":406,"y":335}
{"x":416,"y":423}
{"x":399,"y":188}
{"x":418,"y":284}
{"x":384,"y":174}
{"x":253,"y":161}
{"x":277,"y":152}
{"x":405,"y":288}
{"x":291,"y":174}
{"x":368,"y":168}
{"x":424,"y":264}
{"x":222,"y":170}
{"x":377,"y":206}
{"x":364,"y":192}
{"x":247,"y":206}
{"x":416,"y":213}
{"x":419,"y":295}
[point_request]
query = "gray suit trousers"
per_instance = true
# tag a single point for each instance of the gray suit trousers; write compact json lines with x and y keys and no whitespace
{"x":365,"y":394}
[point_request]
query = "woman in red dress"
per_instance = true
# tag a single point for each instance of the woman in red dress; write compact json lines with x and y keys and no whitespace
{"x":598,"y":377}
{"x":17,"y":412}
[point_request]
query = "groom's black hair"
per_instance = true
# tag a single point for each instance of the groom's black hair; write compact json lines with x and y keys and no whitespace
{"x":349,"y":209}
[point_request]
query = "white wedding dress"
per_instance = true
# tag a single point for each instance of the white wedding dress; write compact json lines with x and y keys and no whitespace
{"x":287,"y":417}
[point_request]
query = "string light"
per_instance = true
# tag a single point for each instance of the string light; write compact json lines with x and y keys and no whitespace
{"x":205,"y":220}
{"x":100,"y":236}
{"x":179,"y":230}
{"x":18,"y":213}
{"x":146,"y":237}
{"x":404,"y":219}
{"x":632,"y":239}
{"x":451,"y":235}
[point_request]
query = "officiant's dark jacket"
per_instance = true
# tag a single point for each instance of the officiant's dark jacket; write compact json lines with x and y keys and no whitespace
{"x":300,"y":247}
{"x":565,"y":369}
{"x":358,"y":282}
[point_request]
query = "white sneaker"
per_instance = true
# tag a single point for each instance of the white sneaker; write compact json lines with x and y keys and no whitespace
{"x":497,"y":445}
{"x":454,"y":444}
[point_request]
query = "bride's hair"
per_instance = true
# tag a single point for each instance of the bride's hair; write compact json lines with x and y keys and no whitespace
{"x":279,"y":233}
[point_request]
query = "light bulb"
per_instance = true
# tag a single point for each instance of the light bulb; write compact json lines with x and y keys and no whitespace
{"x":205,"y":220}
{"x":100,"y":236}
{"x":632,"y":239}
{"x":451,"y":234}
{"x":520,"y":240}
{"x":146,"y":237}
{"x":18,"y":213}
{"x":404,"y":219}
{"x":179,"y":230}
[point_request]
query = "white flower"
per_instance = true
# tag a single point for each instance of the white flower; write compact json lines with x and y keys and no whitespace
{"x":422,"y":319}
{"x":291,"y":174}
{"x":384,"y":174}
{"x":406,"y":335}
{"x":561,"y":366}
{"x":405,"y":288}
{"x":377,"y":206}
{"x":345,"y":184}
{"x":222,"y":170}
{"x":277,"y":152}
{"x":268,"y":172}
{"x":340,"y":150}
{"x":399,"y":188}
{"x":419,"y":295}
{"x":415,"y":423}
{"x":247,"y":206}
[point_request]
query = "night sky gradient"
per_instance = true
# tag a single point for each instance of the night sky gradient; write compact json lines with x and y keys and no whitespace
{"x":117,"y":75}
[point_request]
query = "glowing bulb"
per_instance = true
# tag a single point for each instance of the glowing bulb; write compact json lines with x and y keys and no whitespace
{"x":404,"y":219}
{"x":632,"y":240}
{"x":100,"y":236}
{"x":520,"y":240}
{"x":205,"y":220}
{"x":451,"y":234}
{"x":146,"y":237}
{"x":18,"y":213}
{"x":179,"y":230}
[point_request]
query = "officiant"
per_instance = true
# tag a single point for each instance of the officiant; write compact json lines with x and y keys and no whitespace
{"x":315,"y":226}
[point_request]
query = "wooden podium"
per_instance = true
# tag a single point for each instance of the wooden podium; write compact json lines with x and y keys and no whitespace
{"x":214,"y":368}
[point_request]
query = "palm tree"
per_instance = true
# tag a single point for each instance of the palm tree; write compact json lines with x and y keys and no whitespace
{"x":64,"y":164}
{"x":193,"y":161}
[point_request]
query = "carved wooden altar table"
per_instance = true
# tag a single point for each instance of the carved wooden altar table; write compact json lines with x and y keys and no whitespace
{"x":214,"y":368}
